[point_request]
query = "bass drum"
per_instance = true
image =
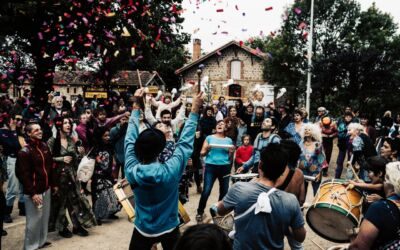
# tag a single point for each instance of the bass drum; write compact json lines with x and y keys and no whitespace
{"x":336,"y":210}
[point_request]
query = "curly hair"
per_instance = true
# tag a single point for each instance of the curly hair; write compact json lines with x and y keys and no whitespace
{"x":393,"y":175}
{"x":315,"y":131}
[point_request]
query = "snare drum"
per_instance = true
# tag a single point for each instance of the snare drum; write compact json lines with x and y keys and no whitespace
{"x":335,"y":211}
{"x":125,"y":196}
{"x":243,"y":177}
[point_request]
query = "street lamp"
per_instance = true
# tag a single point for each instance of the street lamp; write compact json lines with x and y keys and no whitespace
{"x":310,"y":45}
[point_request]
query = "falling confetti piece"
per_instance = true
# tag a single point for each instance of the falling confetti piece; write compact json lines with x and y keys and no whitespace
{"x":125,"y":32}
{"x":219,"y":53}
{"x":243,"y":14}
{"x":302,"y":25}
{"x":244,"y":30}
{"x":305,"y":35}
{"x":133,"y":51}
{"x":241,"y":43}
{"x":220,"y":10}
{"x":40,"y":36}
{"x":111,"y":14}
{"x":236,"y":7}
{"x":116,"y":53}
{"x":268,"y":8}
{"x":225,"y":32}
{"x":297,"y":11}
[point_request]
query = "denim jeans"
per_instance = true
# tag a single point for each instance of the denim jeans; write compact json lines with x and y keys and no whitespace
{"x":211,"y":173}
{"x":14,"y":187}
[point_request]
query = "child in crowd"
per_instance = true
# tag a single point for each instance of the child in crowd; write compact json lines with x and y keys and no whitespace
{"x":244,"y":152}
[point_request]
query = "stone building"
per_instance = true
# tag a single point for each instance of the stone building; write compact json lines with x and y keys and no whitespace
{"x":234,"y":70}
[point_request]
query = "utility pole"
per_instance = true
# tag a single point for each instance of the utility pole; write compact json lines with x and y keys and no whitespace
{"x":310,"y":45}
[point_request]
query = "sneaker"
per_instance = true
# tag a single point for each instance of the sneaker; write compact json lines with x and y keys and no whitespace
{"x":65,"y":233}
{"x":7,"y":219}
{"x":199,"y":218}
{"x":80,"y":231}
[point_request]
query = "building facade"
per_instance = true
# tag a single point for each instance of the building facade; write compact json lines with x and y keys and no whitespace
{"x":234,"y":70}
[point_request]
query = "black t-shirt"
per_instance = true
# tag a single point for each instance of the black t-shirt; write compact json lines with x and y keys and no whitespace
{"x":385,"y":216}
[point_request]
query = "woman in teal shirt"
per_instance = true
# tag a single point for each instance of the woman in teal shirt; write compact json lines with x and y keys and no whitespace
{"x":217,"y":149}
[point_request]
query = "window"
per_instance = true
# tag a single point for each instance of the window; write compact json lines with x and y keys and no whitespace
{"x":67,"y":90}
{"x":236,"y":69}
{"x":74,"y":90}
{"x":235,"y":90}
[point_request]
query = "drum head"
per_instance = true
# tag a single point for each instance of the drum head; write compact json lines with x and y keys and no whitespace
{"x":330,"y":223}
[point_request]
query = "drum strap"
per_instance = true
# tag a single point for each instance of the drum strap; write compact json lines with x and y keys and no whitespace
{"x":287,"y":180}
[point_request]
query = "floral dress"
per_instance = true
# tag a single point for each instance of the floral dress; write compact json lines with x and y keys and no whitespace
{"x":312,"y":162}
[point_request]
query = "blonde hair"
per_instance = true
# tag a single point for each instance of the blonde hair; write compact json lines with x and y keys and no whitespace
{"x":315,"y":131}
{"x":387,"y":114}
{"x":356,"y":126}
{"x":393,"y":175}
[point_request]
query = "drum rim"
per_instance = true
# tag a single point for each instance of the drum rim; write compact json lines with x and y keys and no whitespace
{"x":319,"y":233}
{"x":341,"y":182}
{"x":338,"y":209}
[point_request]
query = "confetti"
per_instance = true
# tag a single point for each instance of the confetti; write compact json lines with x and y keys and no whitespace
{"x":268,"y":8}
{"x":133,"y":51}
{"x":111,"y":14}
{"x":116,"y":53}
{"x":219,"y":53}
{"x":225,"y":32}
{"x":305,"y":35}
{"x":40,"y":36}
{"x":125,"y":32}
{"x":297,"y":11}
{"x":240,"y":43}
{"x":236,"y":7}
{"x":220,"y":10}
{"x":302,"y":25}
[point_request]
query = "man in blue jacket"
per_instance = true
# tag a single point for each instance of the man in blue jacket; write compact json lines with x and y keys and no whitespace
{"x":155,"y":184}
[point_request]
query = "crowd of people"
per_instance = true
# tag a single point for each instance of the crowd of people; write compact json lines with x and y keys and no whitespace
{"x":163,"y":146}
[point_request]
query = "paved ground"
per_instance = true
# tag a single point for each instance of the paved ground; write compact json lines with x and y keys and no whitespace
{"x":116,"y":234}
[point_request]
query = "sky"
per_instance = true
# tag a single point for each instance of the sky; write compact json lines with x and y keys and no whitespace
{"x":217,"y":22}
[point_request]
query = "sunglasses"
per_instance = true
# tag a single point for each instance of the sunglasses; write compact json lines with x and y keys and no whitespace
{"x":18,"y":119}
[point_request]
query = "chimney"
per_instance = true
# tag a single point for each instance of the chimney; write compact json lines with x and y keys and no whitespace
{"x":196,"y":49}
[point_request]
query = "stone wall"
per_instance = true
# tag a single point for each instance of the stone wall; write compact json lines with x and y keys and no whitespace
{"x":218,"y":69}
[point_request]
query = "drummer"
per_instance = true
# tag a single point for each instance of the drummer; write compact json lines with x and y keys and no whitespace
{"x":380,"y":228}
{"x":217,"y":149}
{"x":376,"y":173}
{"x":262,"y":140}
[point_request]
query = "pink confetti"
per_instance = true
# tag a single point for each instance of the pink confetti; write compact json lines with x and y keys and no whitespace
{"x":219,"y":53}
{"x":220,"y":10}
{"x":302,"y":25}
{"x":40,"y":36}
{"x":268,"y":8}
{"x":297,"y":11}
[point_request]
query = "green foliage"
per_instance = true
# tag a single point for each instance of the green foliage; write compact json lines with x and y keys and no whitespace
{"x":355,"y":56}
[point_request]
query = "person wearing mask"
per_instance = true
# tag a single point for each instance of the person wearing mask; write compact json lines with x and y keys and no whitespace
{"x":66,"y":158}
{"x":217,"y":149}
{"x":155,"y":184}
{"x":263,"y":139}
{"x":38,"y":177}
{"x":12,"y":143}
{"x":263,"y":213}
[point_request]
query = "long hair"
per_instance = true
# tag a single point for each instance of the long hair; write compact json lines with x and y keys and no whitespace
{"x":58,"y":122}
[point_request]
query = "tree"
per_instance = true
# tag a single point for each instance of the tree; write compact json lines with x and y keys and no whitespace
{"x":354,"y":54}
{"x":122,"y":34}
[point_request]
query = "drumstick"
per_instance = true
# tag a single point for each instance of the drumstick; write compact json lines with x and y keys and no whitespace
{"x":316,"y":244}
{"x":228,"y":175}
{"x":352,"y":168}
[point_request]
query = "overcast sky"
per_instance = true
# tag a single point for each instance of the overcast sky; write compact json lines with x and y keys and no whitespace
{"x":241,"y":19}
